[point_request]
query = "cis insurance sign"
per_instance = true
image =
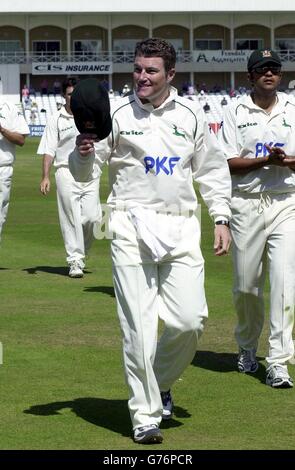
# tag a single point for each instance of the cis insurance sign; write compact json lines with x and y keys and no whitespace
{"x":67,"y":68}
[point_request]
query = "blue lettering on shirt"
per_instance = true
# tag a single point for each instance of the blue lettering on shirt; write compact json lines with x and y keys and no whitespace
{"x":262,"y":151}
{"x":158,"y":164}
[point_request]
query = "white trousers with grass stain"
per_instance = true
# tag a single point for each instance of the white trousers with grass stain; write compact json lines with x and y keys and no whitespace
{"x":172,"y":289}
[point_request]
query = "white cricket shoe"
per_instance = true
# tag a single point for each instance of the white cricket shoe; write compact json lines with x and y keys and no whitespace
{"x":247,"y":362}
{"x":149,"y":434}
{"x":75,"y":269}
{"x":277,"y":376}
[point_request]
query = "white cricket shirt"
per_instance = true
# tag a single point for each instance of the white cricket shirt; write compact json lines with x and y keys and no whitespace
{"x":154,"y":154}
{"x":245,"y":131}
{"x":13,"y":120}
{"x":59,"y":137}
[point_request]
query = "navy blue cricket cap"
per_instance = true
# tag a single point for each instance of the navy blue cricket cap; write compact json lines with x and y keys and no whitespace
{"x":261,"y":58}
{"x":90,"y":106}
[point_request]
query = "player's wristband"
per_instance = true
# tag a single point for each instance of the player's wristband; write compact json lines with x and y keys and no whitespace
{"x":222,"y":222}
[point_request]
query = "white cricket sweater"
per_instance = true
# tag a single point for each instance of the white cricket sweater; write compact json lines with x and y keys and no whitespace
{"x":13,"y":120}
{"x":246,"y":129}
{"x":59,"y":137}
{"x":154,"y":154}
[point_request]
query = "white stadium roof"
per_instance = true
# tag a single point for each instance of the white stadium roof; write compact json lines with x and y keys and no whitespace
{"x":118,"y":6}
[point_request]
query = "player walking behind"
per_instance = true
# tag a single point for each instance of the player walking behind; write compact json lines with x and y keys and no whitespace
{"x":160,"y":142}
{"x":13,"y":131}
{"x":258,"y":137}
{"x":78,"y":202}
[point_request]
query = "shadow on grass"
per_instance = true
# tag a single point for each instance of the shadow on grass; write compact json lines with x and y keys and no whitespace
{"x":224,"y":362}
{"x":109,"y":414}
{"x":109,"y":290}
{"x":60,"y":270}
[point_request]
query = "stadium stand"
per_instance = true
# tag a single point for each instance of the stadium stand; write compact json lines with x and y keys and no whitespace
{"x":212,"y":40}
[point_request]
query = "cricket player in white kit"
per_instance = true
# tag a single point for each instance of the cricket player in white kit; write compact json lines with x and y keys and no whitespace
{"x":160,"y":142}
{"x":258,"y":137}
{"x":13,"y":130}
{"x":78,"y":201}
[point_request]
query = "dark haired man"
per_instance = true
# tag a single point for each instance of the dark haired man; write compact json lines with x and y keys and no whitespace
{"x":78,"y":202}
{"x":159,"y":143}
{"x":259,"y":141}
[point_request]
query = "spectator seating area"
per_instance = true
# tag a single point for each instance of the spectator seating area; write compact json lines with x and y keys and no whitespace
{"x":38,"y":107}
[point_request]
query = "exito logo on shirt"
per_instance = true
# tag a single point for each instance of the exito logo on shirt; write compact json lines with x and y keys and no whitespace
{"x":66,"y":129}
{"x":248,"y":124}
{"x":158,"y":164}
{"x":178,"y":132}
{"x":131,"y":132}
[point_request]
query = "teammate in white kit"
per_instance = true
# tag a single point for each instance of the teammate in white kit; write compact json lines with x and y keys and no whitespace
{"x":259,"y":141}
{"x":78,"y":201}
{"x":13,"y":131}
{"x":160,"y":142}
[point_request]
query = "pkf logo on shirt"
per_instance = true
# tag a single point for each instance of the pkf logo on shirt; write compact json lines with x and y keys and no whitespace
{"x":261,"y":150}
{"x":158,"y":164}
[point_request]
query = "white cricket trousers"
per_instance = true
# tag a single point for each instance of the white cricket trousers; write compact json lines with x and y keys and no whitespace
{"x":173,"y":290}
{"x":6,"y":173}
{"x":263,"y":232}
{"x":78,"y":210}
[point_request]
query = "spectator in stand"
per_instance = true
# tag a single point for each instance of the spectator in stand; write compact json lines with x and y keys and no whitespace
{"x":216,"y":88}
{"x":204,"y":87}
{"x":56,"y":87}
{"x":185,"y":88}
{"x":202,"y":96}
{"x":25,"y":92}
{"x":191,"y":89}
{"x":34,"y":106}
{"x":242,"y":90}
{"x":32,"y":90}
{"x":126,"y":89}
{"x":33,"y":117}
{"x":232,"y":93}
{"x":206,"y":107}
{"x":223,"y":102}
{"x":26,"y":97}
{"x":105,"y":84}
{"x":44,"y":86}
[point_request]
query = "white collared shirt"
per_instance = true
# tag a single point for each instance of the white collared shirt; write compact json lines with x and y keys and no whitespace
{"x":12,"y":120}
{"x":59,"y":137}
{"x":246,"y":129}
{"x":154,"y":154}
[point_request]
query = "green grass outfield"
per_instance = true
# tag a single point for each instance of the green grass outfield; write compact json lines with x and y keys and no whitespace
{"x":62,"y":383}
